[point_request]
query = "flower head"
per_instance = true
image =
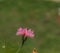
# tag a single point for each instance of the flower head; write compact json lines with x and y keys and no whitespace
{"x":26,"y":32}
{"x":34,"y":50}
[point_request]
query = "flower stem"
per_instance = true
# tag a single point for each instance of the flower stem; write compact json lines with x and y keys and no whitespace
{"x":18,"y":50}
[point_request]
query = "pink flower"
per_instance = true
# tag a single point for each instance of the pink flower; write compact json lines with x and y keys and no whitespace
{"x":29,"y":33}
{"x":20,"y":31}
{"x":26,"y":32}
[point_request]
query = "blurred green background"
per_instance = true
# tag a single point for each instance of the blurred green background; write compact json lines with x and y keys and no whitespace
{"x":40,"y":16}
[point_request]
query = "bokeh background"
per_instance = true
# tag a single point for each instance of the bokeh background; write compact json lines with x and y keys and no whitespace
{"x":39,"y":15}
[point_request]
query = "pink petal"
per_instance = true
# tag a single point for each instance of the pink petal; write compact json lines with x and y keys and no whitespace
{"x":29,"y":33}
{"x":20,"y":31}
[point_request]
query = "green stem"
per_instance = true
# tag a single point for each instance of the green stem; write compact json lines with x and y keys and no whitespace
{"x":18,"y":50}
